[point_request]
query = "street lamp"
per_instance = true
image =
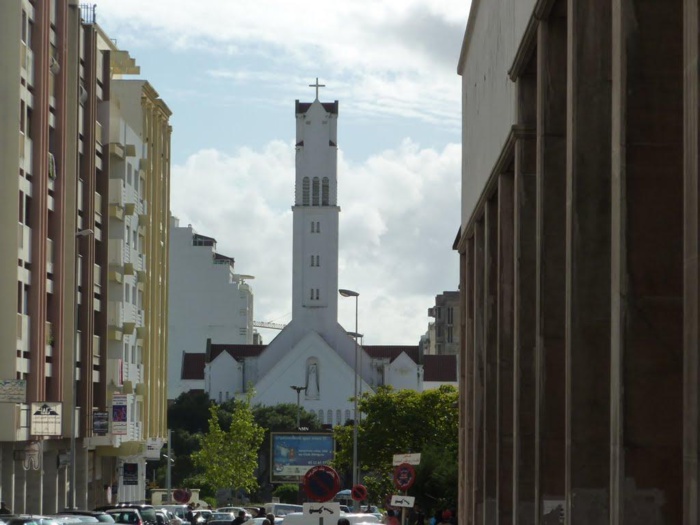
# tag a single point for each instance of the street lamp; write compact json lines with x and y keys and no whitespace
{"x":349,"y":293}
{"x":299,"y":390}
{"x":74,"y":396}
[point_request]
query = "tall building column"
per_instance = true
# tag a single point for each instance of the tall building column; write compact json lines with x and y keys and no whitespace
{"x":525,"y":259}
{"x":647,"y":263}
{"x":491,"y":437}
{"x":691,"y":277}
{"x":524,"y":332}
{"x":467,"y":364}
{"x":478,"y":375}
{"x":504,"y":346}
{"x":551,"y":263}
{"x":588,"y":263}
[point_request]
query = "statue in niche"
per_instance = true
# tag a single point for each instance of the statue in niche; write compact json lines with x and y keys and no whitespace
{"x":312,"y":381}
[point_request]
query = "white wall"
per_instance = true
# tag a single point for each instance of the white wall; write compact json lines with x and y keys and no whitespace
{"x":494,"y":31}
{"x":205,"y":301}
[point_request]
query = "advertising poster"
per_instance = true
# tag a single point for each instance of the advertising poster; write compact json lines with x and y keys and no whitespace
{"x":130,"y":474}
{"x":46,"y":418}
{"x":120,"y":420}
{"x":100,"y":423}
{"x":293,"y":454}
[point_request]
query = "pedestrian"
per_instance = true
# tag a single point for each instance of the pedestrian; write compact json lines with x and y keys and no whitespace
{"x":343,"y":521}
{"x":240,"y":519}
{"x":419,"y":516}
{"x":4,"y":509}
{"x":271,"y":518}
{"x":261,"y":513}
{"x":446,"y":517}
{"x":391,"y":518}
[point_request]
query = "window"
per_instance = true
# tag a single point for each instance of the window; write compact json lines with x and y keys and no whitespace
{"x":449,"y":335}
{"x":330,"y":416}
{"x":347,"y":414}
{"x":338,"y":415}
{"x":317,"y":294}
{"x":128,"y":293}
{"x":312,"y":294}
{"x":313,"y":260}
{"x":438,"y":312}
{"x":318,"y":227}
{"x":320,"y":416}
{"x":24,"y":26}
{"x":305,"y":187}
{"x":450,"y":315}
{"x":313,"y":226}
{"x":325,"y":192}
{"x":22,"y":116}
{"x":318,"y":260}
{"x":316,"y":191}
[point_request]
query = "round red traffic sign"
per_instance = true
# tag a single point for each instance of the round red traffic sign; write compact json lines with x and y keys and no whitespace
{"x":404,"y":476}
{"x":359,"y":492}
{"x":321,"y":483}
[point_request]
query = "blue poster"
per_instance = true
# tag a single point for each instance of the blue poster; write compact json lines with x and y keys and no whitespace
{"x":294,"y":454}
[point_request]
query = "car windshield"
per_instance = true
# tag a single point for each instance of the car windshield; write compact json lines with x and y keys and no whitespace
{"x":220,"y":516}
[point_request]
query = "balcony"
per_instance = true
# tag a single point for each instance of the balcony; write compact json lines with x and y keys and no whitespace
{"x":115,"y":372}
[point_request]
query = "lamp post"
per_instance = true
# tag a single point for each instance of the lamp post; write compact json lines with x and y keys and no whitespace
{"x":299,"y":390}
{"x":74,"y":388}
{"x":349,"y":293}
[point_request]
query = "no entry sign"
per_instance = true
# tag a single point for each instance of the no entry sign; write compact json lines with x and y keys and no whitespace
{"x":404,"y":476}
{"x":321,"y":483}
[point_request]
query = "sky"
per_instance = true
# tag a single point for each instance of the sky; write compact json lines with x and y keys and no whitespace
{"x":231,"y":70}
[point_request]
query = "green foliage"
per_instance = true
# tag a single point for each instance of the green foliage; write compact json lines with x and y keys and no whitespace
{"x":287,"y":493}
{"x":228,"y":458}
{"x":190,"y":412}
{"x":399,"y":422}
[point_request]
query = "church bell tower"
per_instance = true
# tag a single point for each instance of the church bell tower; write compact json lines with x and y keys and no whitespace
{"x":315,"y":214}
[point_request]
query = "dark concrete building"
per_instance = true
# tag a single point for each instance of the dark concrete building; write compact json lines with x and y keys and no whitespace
{"x":580,"y":354}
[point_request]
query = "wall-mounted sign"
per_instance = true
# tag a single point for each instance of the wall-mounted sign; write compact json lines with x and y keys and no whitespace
{"x":45,"y":419}
{"x":100,"y":423}
{"x":13,"y":391}
{"x":130,"y":473}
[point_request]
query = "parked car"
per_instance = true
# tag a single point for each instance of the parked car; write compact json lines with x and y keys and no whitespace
{"x":299,"y":518}
{"x":201,"y":516}
{"x":179,"y":511}
{"x":97,"y":514}
{"x":29,"y":519}
{"x":282,"y":509}
{"x":221,"y":518}
{"x":74,"y":519}
{"x":236,"y":510}
{"x":146,"y":512}
{"x":126,"y":516}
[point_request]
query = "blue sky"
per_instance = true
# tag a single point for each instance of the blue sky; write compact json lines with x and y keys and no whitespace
{"x":230,"y":70}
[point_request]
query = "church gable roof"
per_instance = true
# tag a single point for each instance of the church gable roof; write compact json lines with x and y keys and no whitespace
{"x":192,"y":366}
{"x":235,"y":351}
{"x":440,"y":368}
{"x":392,"y":352}
{"x":303,"y":107}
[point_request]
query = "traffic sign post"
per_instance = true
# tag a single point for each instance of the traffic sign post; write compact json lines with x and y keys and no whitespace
{"x":401,"y":500}
{"x":411,"y":459}
{"x":358,"y":493}
{"x":404,"y":476}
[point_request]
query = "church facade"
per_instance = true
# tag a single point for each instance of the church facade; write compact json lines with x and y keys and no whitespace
{"x":313,"y":357}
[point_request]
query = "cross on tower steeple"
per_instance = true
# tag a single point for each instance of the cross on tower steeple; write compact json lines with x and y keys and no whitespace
{"x":317,"y":85}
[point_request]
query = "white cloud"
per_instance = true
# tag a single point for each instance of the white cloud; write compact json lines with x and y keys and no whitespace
{"x":400,"y":212}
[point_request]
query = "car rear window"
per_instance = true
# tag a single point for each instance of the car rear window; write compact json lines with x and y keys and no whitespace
{"x":149,"y":514}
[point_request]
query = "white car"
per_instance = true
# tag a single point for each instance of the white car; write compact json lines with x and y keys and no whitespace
{"x":299,"y":518}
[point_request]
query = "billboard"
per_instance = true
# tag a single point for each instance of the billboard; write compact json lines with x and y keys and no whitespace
{"x":292,"y":454}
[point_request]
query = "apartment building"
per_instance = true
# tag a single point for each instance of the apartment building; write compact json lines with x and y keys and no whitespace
{"x":443,"y":332}
{"x":57,"y":267}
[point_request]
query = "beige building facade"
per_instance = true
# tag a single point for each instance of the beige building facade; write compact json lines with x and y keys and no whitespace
{"x":579,"y":239}
{"x":58,"y":262}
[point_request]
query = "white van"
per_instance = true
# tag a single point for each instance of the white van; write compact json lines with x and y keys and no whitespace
{"x":280,"y":510}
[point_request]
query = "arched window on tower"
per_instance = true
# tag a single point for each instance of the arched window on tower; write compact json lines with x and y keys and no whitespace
{"x":316,"y":190}
{"x":347,"y":414}
{"x":325,"y":192}
{"x":320,"y":416}
{"x":305,"y":187}
{"x":337,"y":417}
{"x":330,"y":416}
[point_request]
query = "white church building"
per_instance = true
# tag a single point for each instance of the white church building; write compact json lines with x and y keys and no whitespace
{"x":313,"y":353}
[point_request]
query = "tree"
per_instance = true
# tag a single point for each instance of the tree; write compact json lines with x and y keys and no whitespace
{"x":399,"y":422}
{"x":228,"y":458}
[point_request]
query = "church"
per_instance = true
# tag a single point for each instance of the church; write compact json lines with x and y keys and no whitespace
{"x":313,"y":359}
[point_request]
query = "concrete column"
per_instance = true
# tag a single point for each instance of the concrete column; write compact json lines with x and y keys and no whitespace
{"x":691,"y":277}
{"x":464,"y":383}
{"x":81,"y":482}
{"x":551,"y":265}
{"x":50,"y":501}
{"x":588,"y":263}
{"x":505,"y":348}
{"x":524,"y":332}
{"x":7,"y":475}
{"x":20,"y":501}
{"x":478,"y":374}
{"x":35,"y":488}
{"x":647,"y":262}
{"x":491,"y":438}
